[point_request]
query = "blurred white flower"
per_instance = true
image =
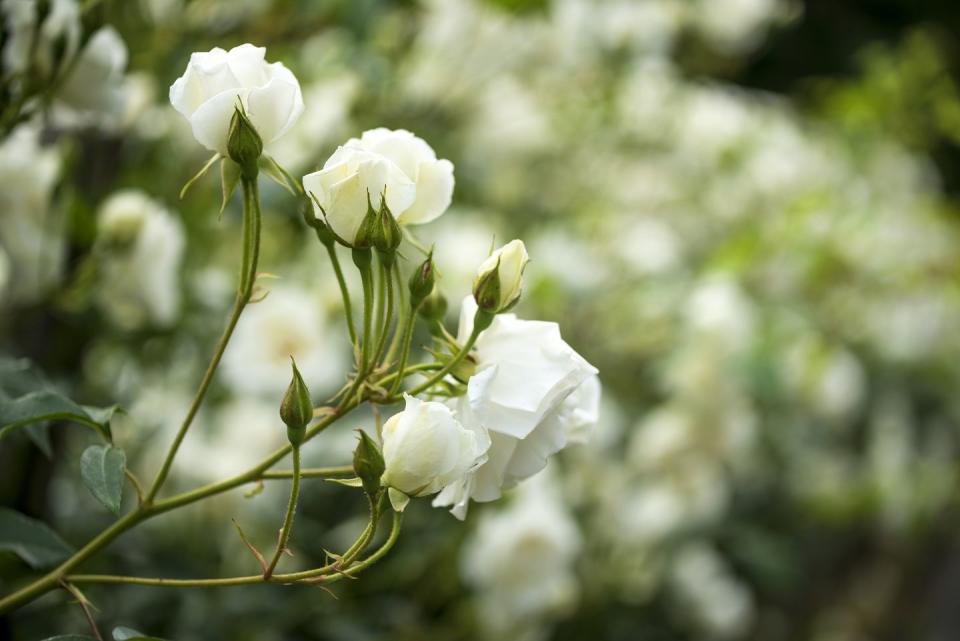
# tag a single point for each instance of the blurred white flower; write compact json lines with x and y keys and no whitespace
{"x":140,"y":245}
{"x":31,"y":231}
{"x":54,"y":43}
{"x":215,"y":82}
{"x":426,"y":448}
{"x":719,"y":605}
{"x":509,"y":262}
{"x":288,"y":322}
{"x":520,"y":561}
{"x":94,"y":90}
{"x":525,"y":373}
{"x":737,"y":26}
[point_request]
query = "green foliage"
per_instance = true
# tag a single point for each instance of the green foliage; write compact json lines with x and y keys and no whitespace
{"x":102,"y":468}
{"x":31,"y":540}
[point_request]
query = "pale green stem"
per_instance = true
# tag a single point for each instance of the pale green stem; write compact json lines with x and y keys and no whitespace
{"x":344,"y":292}
{"x":251,"y":252}
{"x":386,"y":283}
{"x":452,"y":363}
{"x":288,"y":519}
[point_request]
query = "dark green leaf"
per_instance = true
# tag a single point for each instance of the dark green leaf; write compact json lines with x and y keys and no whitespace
{"x":71,"y":637}
{"x":39,"y":433}
{"x":101,"y":467}
{"x":31,"y":540}
{"x":47,"y":405}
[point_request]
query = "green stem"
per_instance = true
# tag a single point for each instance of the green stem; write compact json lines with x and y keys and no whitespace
{"x":367,"y":280}
{"x":404,"y":311}
{"x":251,"y":252}
{"x":50,"y":580}
{"x":453,"y":362}
{"x":344,"y":292}
{"x":288,"y":519}
{"x":386,"y":283}
{"x":332,"y":574}
{"x":309,"y":473}
{"x":404,"y":350}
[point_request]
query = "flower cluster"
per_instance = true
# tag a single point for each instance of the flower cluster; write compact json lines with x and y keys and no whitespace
{"x":519,"y":392}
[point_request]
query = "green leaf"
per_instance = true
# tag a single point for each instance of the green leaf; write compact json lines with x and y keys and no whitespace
{"x":200,"y":174}
{"x":355,"y":481}
{"x":31,"y":540}
{"x":229,"y":177}
{"x":47,"y":405}
{"x":121,"y":633}
{"x":40,"y":435}
{"x":101,"y":467}
{"x":272,"y":169}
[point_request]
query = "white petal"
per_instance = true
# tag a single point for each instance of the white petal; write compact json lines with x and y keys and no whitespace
{"x":434,"y":193}
{"x":274,"y":107}
{"x":211,"y":122}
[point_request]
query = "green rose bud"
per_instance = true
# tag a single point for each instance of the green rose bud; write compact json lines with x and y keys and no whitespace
{"x":386,"y":235}
{"x":296,"y":409}
{"x":368,"y":464}
{"x":499,"y":279}
{"x":244,"y":145}
{"x":433,"y":310}
{"x":422,"y":281}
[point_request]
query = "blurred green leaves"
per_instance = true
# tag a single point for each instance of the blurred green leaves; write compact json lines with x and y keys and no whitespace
{"x":31,"y":540}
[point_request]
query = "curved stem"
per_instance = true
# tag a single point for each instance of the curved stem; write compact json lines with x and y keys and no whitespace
{"x":404,"y":350}
{"x":326,"y":574}
{"x":251,"y":252}
{"x":344,"y":292}
{"x":50,"y":580}
{"x":288,"y":519}
{"x":453,"y":362}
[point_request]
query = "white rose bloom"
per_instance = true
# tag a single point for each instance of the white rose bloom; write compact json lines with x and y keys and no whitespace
{"x":339,"y":190}
{"x":290,"y":321}
{"x":31,"y":231}
{"x":534,"y":394}
{"x":95,"y":88}
{"x":417,"y":160}
{"x":208,"y":92}
{"x":426,"y":448}
{"x":141,"y":246}
{"x":509,"y":261}
{"x":520,"y":561}
{"x":396,"y":164}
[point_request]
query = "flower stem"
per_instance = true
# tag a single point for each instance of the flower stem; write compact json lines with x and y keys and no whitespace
{"x":288,"y":519}
{"x":344,"y":292}
{"x":386,"y":282}
{"x":481,"y":321}
{"x":248,"y":272}
{"x":404,"y":349}
{"x":326,"y":574}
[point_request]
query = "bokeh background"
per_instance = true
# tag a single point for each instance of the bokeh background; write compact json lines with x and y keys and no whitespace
{"x":743,"y":212}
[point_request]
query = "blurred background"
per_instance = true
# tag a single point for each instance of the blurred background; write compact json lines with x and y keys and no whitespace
{"x":743,"y":212}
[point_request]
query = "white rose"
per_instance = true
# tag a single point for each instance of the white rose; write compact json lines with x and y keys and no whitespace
{"x":534,"y":394}
{"x":520,"y":560}
{"x":95,"y":88}
{"x":417,"y":160}
{"x":141,"y":247}
{"x":426,"y":448}
{"x":342,"y":186}
{"x":509,"y":261}
{"x":31,"y":231}
{"x":418,"y":187}
{"x":208,"y":91}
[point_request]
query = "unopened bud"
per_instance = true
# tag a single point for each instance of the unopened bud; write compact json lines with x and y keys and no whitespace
{"x":433,"y":310}
{"x":500,"y":278}
{"x":387,"y":235}
{"x":368,"y":463}
{"x":421,"y":282}
{"x":244,"y":145}
{"x":296,"y":409}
